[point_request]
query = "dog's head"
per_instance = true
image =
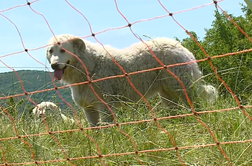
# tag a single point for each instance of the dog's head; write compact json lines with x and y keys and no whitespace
{"x":210,"y":93}
{"x":62,"y":51}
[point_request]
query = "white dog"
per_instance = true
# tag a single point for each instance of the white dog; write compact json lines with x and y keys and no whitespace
{"x":67,"y":54}
{"x":209,"y":92}
{"x":42,"y":107}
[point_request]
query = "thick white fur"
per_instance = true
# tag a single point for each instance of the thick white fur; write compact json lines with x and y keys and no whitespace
{"x":47,"y":105}
{"x":134,"y":58}
{"x":41,"y":108}
{"x":208,"y":92}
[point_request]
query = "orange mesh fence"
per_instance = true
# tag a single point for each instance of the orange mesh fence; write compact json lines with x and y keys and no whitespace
{"x":136,"y":151}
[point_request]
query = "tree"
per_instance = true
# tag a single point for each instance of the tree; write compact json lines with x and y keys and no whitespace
{"x":224,"y":37}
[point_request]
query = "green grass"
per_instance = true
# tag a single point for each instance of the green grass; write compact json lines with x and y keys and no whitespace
{"x":186,"y":131}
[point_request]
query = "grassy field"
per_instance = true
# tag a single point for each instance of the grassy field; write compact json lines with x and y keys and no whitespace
{"x":118,"y":145}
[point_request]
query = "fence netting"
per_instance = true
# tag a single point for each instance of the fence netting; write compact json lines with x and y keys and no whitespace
{"x":151,"y":139}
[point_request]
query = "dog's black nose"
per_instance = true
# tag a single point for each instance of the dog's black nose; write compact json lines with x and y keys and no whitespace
{"x":55,"y":66}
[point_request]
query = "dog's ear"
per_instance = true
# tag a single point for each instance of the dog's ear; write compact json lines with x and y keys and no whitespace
{"x":79,"y":44}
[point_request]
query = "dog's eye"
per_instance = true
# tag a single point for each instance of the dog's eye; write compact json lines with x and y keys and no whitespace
{"x":50,"y":51}
{"x":62,"y":51}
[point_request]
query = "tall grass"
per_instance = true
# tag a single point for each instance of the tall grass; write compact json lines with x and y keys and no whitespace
{"x":227,"y":126}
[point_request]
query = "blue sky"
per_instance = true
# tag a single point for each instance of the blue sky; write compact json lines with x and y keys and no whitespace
{"x":102,"y":15}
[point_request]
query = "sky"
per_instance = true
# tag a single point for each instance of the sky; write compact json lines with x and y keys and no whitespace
{"x":31,"y":27}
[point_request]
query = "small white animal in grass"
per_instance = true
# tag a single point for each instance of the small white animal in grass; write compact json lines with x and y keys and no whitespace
{"x":43,"y":106}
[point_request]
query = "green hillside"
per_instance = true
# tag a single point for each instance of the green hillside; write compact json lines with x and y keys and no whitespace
{"x":32,"y":80}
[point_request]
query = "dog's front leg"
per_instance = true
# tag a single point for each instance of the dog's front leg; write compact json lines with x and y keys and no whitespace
{"x":92,"y":116}
{"x":106,"y":116}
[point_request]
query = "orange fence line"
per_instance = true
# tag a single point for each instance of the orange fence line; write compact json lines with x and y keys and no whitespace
{"x":196,"y":116}
{"x":130,"y":153}
{"x":123,"y":75}
{"x":90,"y":82}
{"x":124,"y":123}
{"x":44,"y":119}
{"x":142,"y":97}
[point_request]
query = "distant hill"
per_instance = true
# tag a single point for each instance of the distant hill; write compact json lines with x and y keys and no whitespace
{"x":32,"y":80}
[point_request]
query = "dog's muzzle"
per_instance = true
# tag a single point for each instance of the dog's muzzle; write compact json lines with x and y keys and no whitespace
{"x":58,"y":70}
{"x":55,"y":66}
